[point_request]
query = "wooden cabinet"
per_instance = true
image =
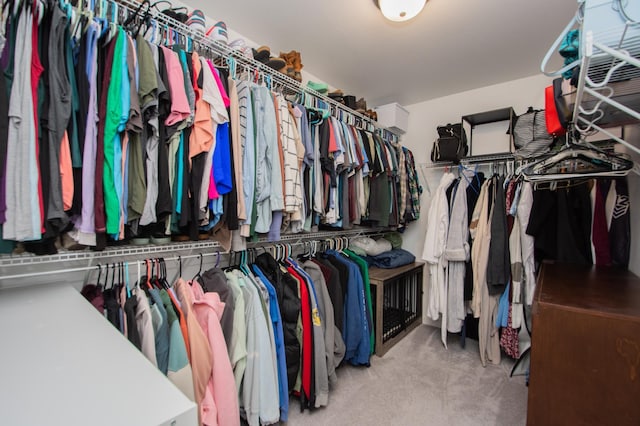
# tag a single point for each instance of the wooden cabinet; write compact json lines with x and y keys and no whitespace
{"x":585,"y":353}
{"x":397,"y":300}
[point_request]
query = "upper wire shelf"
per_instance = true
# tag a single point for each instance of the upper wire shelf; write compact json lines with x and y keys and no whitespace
{"x":340,"y":111}
{"x":608,"y":89}
{"x":24,"y":259}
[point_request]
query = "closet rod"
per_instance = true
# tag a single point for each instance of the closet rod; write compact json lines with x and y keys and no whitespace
{"x":226,"y":51}
{"x":142,"y":262}
{"x":151,"y":250}
{"x":96,"y":267}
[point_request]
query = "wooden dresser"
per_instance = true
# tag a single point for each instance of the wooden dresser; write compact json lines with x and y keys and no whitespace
{"x":585,"y":353}
{"x":397,"y":299}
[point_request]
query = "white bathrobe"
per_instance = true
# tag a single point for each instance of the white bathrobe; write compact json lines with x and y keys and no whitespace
{"x":433,"y":253}
{"x":457,"y":254}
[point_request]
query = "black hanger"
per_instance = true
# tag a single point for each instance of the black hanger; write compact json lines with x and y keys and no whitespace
{"x":180,"y":266}
{"x":198,"y":275}
{"x":112,"y":266}
{"x":163,"y":279}
{"x":99,"y":275}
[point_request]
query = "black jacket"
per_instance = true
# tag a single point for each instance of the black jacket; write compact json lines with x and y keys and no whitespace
{"x":287,"y":291}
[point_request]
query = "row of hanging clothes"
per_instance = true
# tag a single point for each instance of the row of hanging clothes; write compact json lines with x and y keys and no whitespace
{"x":112,"y":134}
{"x":487,"y":235}
{"x":239,"y":340}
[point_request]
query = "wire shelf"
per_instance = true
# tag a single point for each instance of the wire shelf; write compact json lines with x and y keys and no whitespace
{"x":339,"y":110}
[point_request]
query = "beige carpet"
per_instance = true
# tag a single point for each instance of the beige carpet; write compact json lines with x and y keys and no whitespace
{"x":418,"y":382}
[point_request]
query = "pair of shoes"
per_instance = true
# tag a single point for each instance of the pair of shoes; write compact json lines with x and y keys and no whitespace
{"x":338,"y":96}
{"x":289,"y":58}
{"x":241,"y":46}
{"x":361,"y":106}
{"x":297,"y":65}
{"x":263,"y":55}
{"x":218,"y":33}
{"x":293,"y":65}
{"x":371,"y":114}
{"x":350,"y":101}
{"x":197,"y":21}
{"x":322,"y":88}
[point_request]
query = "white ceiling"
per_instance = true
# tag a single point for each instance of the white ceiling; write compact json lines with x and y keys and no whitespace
{"x":452,"y":46}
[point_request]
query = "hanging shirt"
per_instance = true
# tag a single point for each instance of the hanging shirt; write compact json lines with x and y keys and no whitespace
{"x":276,"y":319}
{"x":180,"y":110}
{"x":112,"y":148}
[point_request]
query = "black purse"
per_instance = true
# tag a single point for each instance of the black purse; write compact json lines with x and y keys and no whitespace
{"x":451,"y":144}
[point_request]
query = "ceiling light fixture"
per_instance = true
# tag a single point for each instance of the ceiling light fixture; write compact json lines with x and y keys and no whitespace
{"x":400,"y":10}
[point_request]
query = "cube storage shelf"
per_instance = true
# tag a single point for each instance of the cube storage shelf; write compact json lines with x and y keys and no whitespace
{"x":397,"y":303}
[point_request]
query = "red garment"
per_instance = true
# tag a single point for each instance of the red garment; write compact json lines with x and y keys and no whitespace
{"x":307,"y":334}
{"x":36,"y":72}
{"x":333,"y":145}
{"x":509,"y":340}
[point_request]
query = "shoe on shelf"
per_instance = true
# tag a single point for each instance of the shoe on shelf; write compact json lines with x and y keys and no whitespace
{"x":297,"y":65}
{"x":277,"y":64}
{"x":261,"y":54}
{"x":197,"y":21}
{"x":288,"y":58}
{"x":322,"y":88}
{"x":361,"y":106}
{"x":337,"y":95}
{"x":350,"y":101}
{"x":218,"y":32}
{"x":241,"y":45}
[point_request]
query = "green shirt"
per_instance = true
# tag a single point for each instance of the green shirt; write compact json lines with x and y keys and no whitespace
{"x":111,"y":137}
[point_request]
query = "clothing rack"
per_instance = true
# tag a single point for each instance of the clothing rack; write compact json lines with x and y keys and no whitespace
{"x":137,"y":255}
{"x":338,"y":110}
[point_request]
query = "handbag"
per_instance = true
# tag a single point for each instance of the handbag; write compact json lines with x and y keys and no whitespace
{"x":557,"y":113}
{"x":530,"y":135}
{"x":451,"y":144}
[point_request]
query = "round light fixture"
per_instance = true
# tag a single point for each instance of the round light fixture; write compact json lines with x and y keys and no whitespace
{"x":400,"y":10}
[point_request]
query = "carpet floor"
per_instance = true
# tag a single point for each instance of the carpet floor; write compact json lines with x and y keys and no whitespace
{"x":419,"y":382}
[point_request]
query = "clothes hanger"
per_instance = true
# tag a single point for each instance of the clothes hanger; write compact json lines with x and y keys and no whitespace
{"x":577,"y":162}
{"x":198,"y":275}
{"x":163,"y":280}
{"x":126,"y":278}
{"x":243,"y":263}
{"x":113,"y":275}
{"x":147,"y":281}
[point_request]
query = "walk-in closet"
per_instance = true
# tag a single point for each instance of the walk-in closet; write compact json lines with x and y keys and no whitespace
{"x":392,"y":212}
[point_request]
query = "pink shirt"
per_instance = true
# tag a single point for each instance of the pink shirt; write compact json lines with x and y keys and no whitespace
{"x":208,"y":309}
{"x":223,"y":92}
{"x":201,"y":359}
{"x":179,"y":104}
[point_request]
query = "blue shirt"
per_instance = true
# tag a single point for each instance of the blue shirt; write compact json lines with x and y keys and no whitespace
{"x":222,"y":160}
{"x":355,"y":328}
